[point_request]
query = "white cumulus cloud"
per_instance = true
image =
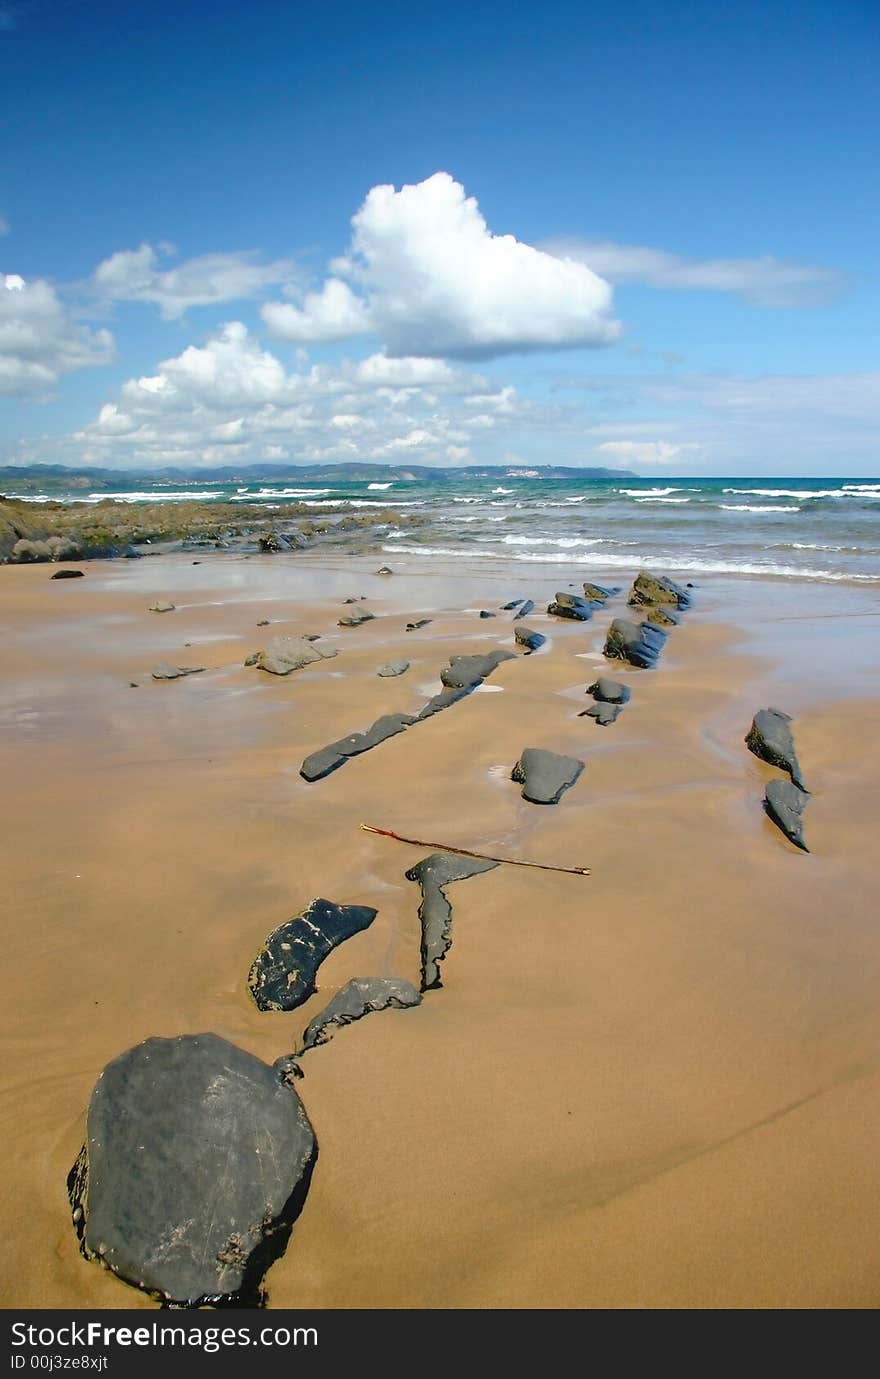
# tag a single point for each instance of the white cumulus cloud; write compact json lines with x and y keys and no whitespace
{"x":135,"y":275}
{"x":644,"y":452}
{"x":426,"y":276}
{"x":764,"y":281}
{"x":40,"y":340}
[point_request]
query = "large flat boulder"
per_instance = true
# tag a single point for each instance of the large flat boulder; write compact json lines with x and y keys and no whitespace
{"x":639,"y":643}
{"x":196,"y":1164}
{"x":770,"y":738}
{"x":282,"y":974}
{"x":433,"y":874}
{"x":544,"y":776}
{"x":359,"y":997}
{"x":785,"y":803}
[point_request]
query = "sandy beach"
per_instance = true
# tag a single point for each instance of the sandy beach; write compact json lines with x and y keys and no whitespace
{"x":657,"y":1086}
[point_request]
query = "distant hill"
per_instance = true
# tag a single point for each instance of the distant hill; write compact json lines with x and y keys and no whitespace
{"x":34,"y":477}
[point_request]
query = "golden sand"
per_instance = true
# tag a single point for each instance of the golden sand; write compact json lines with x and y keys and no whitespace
{"x":657,"y":1086}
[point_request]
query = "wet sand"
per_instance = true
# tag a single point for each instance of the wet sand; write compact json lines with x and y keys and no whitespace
{"x":658,"y":1086}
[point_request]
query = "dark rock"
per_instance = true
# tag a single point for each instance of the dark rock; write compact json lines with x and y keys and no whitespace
{"x":609,"y":691}
{"x":286,"y":654}
{"x":464,"y":671}
{"x":67,"y":574}
{"x":662,"y":616}
{"x":273,"y":543}
{"x":252,"y":659}
{"x":196,"y":1164}
{"x":414,"y":626}
{"x":597,"y":593}
{"x":545,"y":775}
{"x":529,"y":639}
{"x":638,"y":643}
{"x":384,"y":570}
{"x":571,"y":606}
{"x":514,"y":603}
{"x":524,"y":611}
{"x":282,"y":975}
{"x":602,"y":712}
{"x":785,"y":803}
{"x":264,"y":622}
{"x":770,"y":739}
{"x":331,"y":757}
{"x":651,"y":590}
{"x":443,"y":700}
{"x":349,"y":600}
{"x":389,"y":725}
{"x":161,"y":607}
{"x":357,"y":998}
{"x":391,"y":668}
{"x":321,"y":763}
{"x":355,"y":619}
{"x":433,"y":874}
{"x":484,"y":613}
{"x":169,"y":672}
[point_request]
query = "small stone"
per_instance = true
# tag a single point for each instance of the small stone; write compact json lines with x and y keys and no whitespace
{"x":161,"y":607}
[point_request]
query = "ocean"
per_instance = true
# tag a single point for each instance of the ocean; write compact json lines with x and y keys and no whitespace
{"x":818,"y":529}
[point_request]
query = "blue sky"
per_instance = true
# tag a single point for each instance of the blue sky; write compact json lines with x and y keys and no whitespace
{"x":570,"y":233}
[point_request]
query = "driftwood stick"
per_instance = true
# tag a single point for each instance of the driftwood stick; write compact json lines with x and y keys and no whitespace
{"x":466,"y":852}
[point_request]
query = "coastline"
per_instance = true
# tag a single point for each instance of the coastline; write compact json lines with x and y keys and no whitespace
{"x":656,"y":1086}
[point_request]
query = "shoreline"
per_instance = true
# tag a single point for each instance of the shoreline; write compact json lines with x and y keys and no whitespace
{"x":652,"y":1087}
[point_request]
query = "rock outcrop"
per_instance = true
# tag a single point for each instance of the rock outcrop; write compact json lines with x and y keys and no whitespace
{"x":770,"y":739}
{"x":654,"y":591}
{"x":165,"y":671}
{"x":529,"y":639}
{"x":286,"y":654}
{"x":570,"y":606}
{"x":638,"y":643}
{"x":465,"y":672}
{"x":393,"y":668}
{"x":330,"y":758}
{"x":785,"y":803}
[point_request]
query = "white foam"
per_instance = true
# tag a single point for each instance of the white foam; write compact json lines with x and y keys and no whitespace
{"x":564,"y":542}
{"x":242,"y":495}
{"x":756,"y":507}
{"x":502,"y":490}
{"x":788,"y":492}
{"x":609,"y":560}
{"x":647,"y":492}
{"x":162,"y":496}
{"x":371,"y":486}
{"x":663,"y":500}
